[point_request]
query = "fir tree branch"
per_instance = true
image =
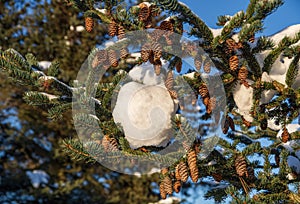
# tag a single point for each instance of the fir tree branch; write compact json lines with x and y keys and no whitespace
{"x":76,"y":150}
{"x":274,"y":54}
{"x":263,"y":43}
{"x":251,"y":8}
{"x":190,"y":17}
{"x":293,"y":71}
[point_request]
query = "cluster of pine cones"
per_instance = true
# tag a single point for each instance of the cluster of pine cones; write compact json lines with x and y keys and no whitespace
{"x":173,"y":180}
{"x":209,"y":102}
{"x":230,"y":49}
{"x":109,"y":58}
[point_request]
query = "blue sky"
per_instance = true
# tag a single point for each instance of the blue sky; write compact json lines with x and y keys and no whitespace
{"x":209,"y":10}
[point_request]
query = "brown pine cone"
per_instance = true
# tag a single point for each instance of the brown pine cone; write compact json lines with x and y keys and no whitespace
{"x":89,"y":24}
{"x":207,"y":66}
{"x":234,"y":62}
{"x":112,"y":28}
{"x":163,"y":193}
{"x":192,"y":162}
{"x":203,"y":90}
{"x":285,"y":135}
{"x":198,"y":62}
{"x":183,"y":171}
{"x":168,"y":185}
{"x":241,"y":166}
{"x":112,"y":57}
{"x":177,"y":186}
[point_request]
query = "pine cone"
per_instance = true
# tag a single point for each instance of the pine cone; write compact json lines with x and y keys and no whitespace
{"x":234,"y":62}
{"x":156,"y":35}
{"x":241,"y":166}
{"x":225,"y":127}
{"x":230,"y":46}
{"x":203,"y":91}
{"x":190,"y":49}
{"x":168,"y":39}
{"x":251,"y":175}
{"x":124,"y":52}
{"x":177,"y":186}
{"x":157,"y":51}
{"x":173,"y":94}
{"x":211,"y":105}
{"x":166,"y":25}
{"x":106,"y":142}
{"x":179,"y":28}
{"x":164,"y":171}
{"x":109,"y":144}
{"x":168,"y":185}
{"x":264,"y":124}
{"x":121,"y":32}
{"x":183,"y":171}
{"x":157,"y":68}
{"x":243,"y":73}
{"x":198,"y":62}
{"x":163,"y":193}
{"x":197,"y":148}
{"x":230,"y":123}
{"x":99,"y":58}
{"x":207,"y":66}
{"x":239,"y":45}
{"x":144,"y":12}
{"x":206,"y":101}
{"x":285,"y":135}
{"x":112,"y":28}
{"x":177,"y":174}
{"x":252,"y":39}
{"x":148,"y":23}
{"x":169,"y":80}
{"x":154,"y":10}
{"x":217,"y":177}
{"x":151,"y":57}
{"x":89,"y":24}
{"x":112,"y":57}
{"x":185,"y":144}
{"x":277,"y":159}
{"x":192,"y":162}
{"x":178,"y":66}
{"x":145,"y":52}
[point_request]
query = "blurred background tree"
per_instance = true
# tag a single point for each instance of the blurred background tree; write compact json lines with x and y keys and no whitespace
{"x":29,"y":141}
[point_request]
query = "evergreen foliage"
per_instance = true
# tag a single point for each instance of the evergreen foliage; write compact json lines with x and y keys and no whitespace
{"x":265,"y":181}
